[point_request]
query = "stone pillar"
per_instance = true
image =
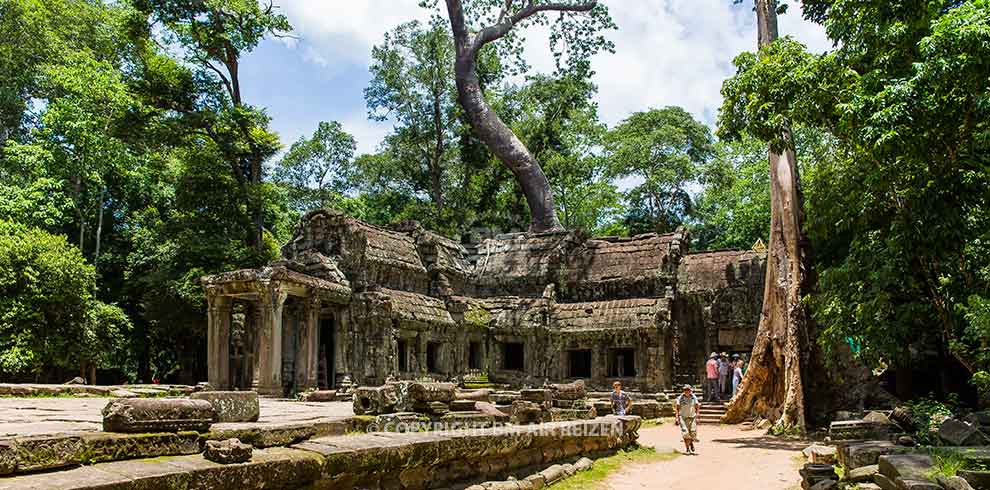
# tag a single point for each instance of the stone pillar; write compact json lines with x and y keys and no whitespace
{"x":268,"y":362}
{"x":218,"y":339}
{"x":307,"y":356}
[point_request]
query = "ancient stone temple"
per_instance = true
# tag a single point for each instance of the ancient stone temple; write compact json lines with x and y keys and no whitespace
{"x":352,"y":299}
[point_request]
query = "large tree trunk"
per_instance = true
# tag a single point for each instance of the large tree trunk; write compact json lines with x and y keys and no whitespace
{"x":493,"y":132}
{"x":775,"y":383}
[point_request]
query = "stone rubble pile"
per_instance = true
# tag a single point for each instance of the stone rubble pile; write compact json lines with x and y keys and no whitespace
{"x":410,"y":405}
{"x":555,"y":403}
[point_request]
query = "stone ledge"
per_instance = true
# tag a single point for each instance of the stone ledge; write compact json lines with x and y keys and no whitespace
{"x":344,"y":462}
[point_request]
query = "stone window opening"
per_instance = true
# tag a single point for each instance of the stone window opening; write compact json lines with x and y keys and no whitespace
{"x":513,"y":357}
{"x":579,"y":363}
{"x":622,"y":363}
{"x":474,"y":355}
{"x":433,"y":357}
{"x":403,"y":350}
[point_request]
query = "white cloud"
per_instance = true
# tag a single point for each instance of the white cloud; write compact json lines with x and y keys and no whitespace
{"x":668,"y":52}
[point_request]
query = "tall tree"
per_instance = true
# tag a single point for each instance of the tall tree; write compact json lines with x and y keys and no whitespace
{"x":665,"y":148}
{"x":413,"y":84}
{"x":215,"y":35}
{"x":775,"y":382}
{"x":316,"y":170}
{"x":580,"y":36}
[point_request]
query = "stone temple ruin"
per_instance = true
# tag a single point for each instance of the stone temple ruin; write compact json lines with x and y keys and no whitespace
{"x":349,"y":299}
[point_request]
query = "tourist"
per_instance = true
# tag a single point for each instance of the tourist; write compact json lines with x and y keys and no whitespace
{"x":724,"y":375}
{"x":712,"y":371}
{"x":737,"y":376}
{"x":687,"y":407}
{"x":621,"y":402}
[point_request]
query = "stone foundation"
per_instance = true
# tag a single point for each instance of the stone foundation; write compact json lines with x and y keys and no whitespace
{"x":375,"y":460}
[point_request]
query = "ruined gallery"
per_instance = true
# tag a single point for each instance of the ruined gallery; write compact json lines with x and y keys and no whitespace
{"x":351,"y":299}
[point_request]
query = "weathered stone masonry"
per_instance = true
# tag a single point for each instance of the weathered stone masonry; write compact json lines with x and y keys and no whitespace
{"x":352,"y":299}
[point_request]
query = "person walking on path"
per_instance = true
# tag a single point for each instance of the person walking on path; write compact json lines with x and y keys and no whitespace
{"x":724,"y":376}
{"x":711,"y":370}
{"x":737,"y":376}
{"x":687,"y":407}
{"x":621,"y":402}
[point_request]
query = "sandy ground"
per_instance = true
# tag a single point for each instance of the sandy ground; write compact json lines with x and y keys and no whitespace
{"x":728,"y":458}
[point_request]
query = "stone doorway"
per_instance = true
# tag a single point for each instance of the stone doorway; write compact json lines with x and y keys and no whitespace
{"x":326,"y":374}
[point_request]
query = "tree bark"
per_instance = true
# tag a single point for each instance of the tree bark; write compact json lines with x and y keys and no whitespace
{"x":487,"y":125}
{"x":775,"y":383}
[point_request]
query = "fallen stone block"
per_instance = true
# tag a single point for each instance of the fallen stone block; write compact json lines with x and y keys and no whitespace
{"x":537,"y":480}
{"x":8,"y":458}
{"x":906,"y":466}
{"x":375,"y":400}
{"x":536,"y":395}
{"x":910,"y":484}
{"x":858,"y":429}
{"x":562,"y":403}
{"x":427,"y":392}
{"x":884,"y":483}
{"x":468,"y":420}
{"x":648,"y":409}
{"x":528,"y":412}
{"x":583,"y":464}
{"x":232,"y":406}
{"x":228,"y":451}
{"x":861,"y":474}
{"x":13,"y":389}
{"x":876,"y":417}
{"x":563,"y":414}
{"x":953,"y":482}
{"x":36,"y":453}
{"x":463,"y":405}
{"x":504,"y":397}
{"x":827,"y":484}
{"x":552,"y":474}
{"x":320,"y":396}
{"x":480,"y":395}
{"x":492,"y":410}
{"x":866,"y":486}
{"x":568,"y":391}
{"x":956,"y":432}
{"x":856,"y":454}
{"x":78,"y":380}
{"x":820,"y":454}
{"x":122,"y":393}
{"x":980,"y":480}
{"x":157,"y":415}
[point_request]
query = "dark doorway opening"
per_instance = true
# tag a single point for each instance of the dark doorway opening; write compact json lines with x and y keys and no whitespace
{"x":474,"y":355}
{"x":622,"y":363}
{"x":513,"y":357}
{"x":579,"y":363}
{"x":403,"y":348}
{"x":433,"y":357}
{"x":325,"y":365}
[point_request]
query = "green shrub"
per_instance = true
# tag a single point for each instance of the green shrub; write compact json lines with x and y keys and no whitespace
{"x":928,"y":414}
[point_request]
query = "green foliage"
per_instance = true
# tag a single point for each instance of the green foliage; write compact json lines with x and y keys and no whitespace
{"x":927,"y":415}
{"x":50,"y":318}
{"x":897,"y":212}
{"x":314,"y":170}
{"x":947,"y":462}
{"x":665,"y":148}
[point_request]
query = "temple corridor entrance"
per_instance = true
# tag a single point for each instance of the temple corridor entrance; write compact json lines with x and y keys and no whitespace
{"x":326,"y":375}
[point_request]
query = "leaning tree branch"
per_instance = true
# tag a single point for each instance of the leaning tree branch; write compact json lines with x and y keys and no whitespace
{"x":500,"y":29}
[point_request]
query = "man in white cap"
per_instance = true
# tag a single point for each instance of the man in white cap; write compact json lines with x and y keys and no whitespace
{"x":687,"y":407}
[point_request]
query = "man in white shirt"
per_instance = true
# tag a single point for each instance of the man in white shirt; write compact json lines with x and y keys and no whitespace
{"x":687,"y":407}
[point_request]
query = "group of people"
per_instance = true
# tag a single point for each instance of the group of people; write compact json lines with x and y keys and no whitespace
{"x":724,"y":376}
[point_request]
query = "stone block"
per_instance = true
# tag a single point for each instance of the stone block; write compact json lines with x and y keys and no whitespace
{"x":563,"y":403}
{"x":856,"y":454}
{"x":562,"y":414}
{"x":157,"y":415}
{"x":228,"y":451}
{"x":480,"y":395}
{"x":536,"y":395}
{"x":953,"y":483}
{"x":827,"y":484}
{"x":907,"y":466}
{"x":912,"y":484}
{"x":103,"y":446}
{"x":648,"y":409}
{"x":537,"y":480}
{"x":320,"y":396}
{"x":232,"y":406}
{"x":467,"y":420}
{"x":122,"y":393}
{"x":876,"y":417}
{"x":568,"y":391}
{"x":583,"y":464}
{"x":8,"y":458}
{"x":866,"y":486}
{"x":527,"y":412}
{"x":980,"y":480}
{"x":375,"y":400}
{"x":858,"y":429}
{"x":504,"y":397}
{"x":36,"y":453}
{"x":861,"y":474}
{"x":820,"y":454}
{"x":956,"y":432}
{"x":463,"y":405}
{"x":884,"y":483}
{"x":13,"y":389}
{"x":553,"y":474}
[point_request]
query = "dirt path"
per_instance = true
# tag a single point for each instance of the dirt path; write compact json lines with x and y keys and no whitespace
{"x":729,"y":458}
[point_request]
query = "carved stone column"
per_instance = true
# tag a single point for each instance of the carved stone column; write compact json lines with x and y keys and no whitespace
{"x":269,"y":356}
{"x":307,"y":358}
{"x":218,"y":339}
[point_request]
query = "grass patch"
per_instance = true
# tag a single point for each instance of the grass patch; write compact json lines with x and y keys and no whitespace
{"x":592,"y":479}
{"x":947,"y":463}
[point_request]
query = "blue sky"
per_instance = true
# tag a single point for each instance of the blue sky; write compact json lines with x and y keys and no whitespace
{"x":668,"y":52}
